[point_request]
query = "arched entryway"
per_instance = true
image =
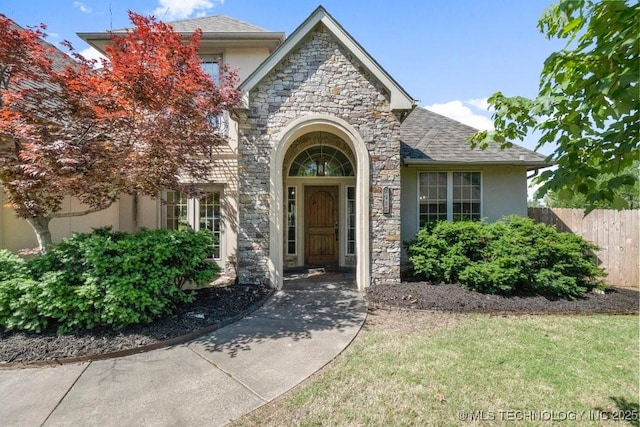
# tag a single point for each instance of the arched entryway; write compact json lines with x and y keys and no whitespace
{"x":319,"y":198}
{"x":319,"y":181}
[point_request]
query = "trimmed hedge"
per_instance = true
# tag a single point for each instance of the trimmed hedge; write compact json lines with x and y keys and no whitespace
{"x":103,"y":278}
{"x":511,"y":256}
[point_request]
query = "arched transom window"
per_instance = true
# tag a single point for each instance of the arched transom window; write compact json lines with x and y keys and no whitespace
{"x":321,"y":160}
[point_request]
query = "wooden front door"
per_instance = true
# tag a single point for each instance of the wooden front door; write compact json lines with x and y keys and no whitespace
{"x":321,"y":225}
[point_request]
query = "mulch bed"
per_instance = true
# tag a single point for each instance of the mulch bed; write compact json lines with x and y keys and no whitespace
{"x":211,"y":307}
{"x":453,"y":298}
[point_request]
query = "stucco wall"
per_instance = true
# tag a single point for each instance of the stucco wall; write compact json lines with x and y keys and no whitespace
{"x":16,"y":233}
{"x":244,"y":60}
{"x":504,"y":192}
{"x":318,"y":77}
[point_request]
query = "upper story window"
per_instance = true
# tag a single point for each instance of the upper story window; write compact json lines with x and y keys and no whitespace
{"x":321,"y":160}
{"x":211,"y":65}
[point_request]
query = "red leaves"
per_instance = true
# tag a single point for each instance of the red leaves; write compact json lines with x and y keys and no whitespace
{"x":134,"y":125}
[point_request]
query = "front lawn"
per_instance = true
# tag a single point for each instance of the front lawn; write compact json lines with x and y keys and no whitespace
{"x":430,"y":368}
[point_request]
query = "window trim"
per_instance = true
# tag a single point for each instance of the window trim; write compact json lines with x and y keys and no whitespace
{"x":294,"y":161}
{"x":296,"y":221}
{"x":347,"y":218}
{"x":212,"y":59}
{"x":193,"y":214}
{"x":450,"y":201}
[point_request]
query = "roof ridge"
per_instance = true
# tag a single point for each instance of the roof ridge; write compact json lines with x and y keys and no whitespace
{"x":449,"y":119}
{"x":248,"y":27}
{"x":434,"y":138}
{"x":219,"y":15}
{"x":478,"y":130}
{"x":429,"y":136}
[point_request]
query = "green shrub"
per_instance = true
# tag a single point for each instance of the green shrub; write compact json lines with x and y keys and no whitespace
{"x":511,"y":256}
{"x":19,"y":298}
{"x":440,"y":252}
{"x":501,"y":276}
{"x":106,"y":278}
{"x":11,"y":266}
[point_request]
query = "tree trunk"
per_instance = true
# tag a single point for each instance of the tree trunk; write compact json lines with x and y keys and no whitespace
{"x":135,"y":212}
{"x":40,"y":225}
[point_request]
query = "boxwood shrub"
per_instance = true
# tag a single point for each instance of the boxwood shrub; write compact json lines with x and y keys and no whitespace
{"x":103,"y":278}
{"x":511,"y":256}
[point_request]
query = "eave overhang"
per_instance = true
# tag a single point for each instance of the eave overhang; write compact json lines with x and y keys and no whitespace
{"x":470,"y":163}
{"x":209,"y":41}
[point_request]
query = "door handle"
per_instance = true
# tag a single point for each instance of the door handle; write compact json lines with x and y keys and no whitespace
{"x":336,"y":231}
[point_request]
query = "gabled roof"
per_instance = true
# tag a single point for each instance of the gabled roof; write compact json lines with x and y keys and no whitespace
{"x":400,"y":99}
{"x":217,"y":31}
{"x":428,"y":138}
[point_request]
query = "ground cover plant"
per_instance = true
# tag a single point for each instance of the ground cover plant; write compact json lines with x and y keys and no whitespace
{"x":103,"y":278}
{"x":513,"y":256}
{"x":428,"y":368}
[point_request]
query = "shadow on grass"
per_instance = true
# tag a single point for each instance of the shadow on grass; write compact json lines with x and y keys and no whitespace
{"x":628,"y":410}
{"x":306,"y":304}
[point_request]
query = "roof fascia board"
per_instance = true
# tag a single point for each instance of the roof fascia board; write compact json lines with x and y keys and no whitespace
{"x":424,"y":162}
{"x":399,"y":99}
{"x":271,"y":39}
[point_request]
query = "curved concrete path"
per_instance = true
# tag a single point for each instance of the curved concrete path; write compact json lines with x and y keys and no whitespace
{"x":209,"y":381}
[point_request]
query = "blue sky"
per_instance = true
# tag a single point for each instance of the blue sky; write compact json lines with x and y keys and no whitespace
{"x":448,"y":54}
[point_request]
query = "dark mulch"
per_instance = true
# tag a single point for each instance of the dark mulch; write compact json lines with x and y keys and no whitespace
{"x":211,"y":307}
{"x":454,"y":298}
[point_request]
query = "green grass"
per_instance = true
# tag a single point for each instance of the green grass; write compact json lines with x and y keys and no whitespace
{"x":450,"y":366}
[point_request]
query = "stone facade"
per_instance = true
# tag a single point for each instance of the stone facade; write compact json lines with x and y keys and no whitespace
{"x":318,"y":77}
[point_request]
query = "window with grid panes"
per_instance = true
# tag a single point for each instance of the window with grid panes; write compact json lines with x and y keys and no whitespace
{"x":433,"y":197}
{"x":466,"y":195}
{"x":203,"y":213}
{"x":449,"y":196}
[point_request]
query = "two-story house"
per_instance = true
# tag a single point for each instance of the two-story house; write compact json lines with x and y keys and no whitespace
{"x":329,"y":161}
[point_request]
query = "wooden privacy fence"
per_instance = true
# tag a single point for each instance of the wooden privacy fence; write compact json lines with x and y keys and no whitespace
{"x":616,"y":233}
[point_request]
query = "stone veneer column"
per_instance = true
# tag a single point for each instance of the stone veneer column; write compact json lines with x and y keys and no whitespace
{"x":318,"y":77}
{"x":253,"y":201}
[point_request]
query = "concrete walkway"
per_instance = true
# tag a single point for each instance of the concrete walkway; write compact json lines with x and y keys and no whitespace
{"x":209,"y":381}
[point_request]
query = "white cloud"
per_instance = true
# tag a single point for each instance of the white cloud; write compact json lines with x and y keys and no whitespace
{"x":82,"y":7}
{"x":171,"y":10}
{"x":457,"y":110}
{"x":479,"y":103}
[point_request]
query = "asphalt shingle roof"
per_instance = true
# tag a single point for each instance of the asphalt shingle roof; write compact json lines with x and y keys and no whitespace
{"x":215,"y":24}
{"x":429,"y":136}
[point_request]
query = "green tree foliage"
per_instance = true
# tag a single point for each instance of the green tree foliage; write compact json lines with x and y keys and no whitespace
{"x":513,"y":256}
{"x":630,"y":193}
{"x":587,"y":102}
{"x":103,"y":279}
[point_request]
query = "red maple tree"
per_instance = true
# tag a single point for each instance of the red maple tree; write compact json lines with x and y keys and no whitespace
{"x":142,"y":122}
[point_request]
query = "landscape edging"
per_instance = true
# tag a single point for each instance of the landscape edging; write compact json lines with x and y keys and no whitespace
{"x":142,"y":349}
